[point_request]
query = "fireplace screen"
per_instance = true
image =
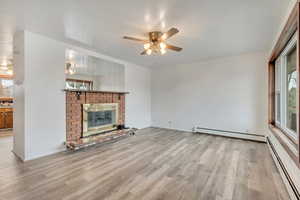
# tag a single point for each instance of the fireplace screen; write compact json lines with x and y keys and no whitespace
{"x":98,"y":118}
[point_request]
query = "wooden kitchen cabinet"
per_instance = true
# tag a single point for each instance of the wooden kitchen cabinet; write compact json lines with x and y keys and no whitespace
{"x":6,"y":118}
{"x":9,"y":119}
{"x":2,"y":120}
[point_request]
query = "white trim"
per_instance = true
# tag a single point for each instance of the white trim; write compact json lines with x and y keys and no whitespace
{"x":174,"y":129}
{"x":246,"y":136}
{"x":292,"y":170}
{"x":18,"y":156}
{"x":282,"y":174}
{"x":286,"y":140}
{"x":257,"y":138}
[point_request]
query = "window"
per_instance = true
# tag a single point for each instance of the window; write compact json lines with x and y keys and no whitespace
{"x":277,"y":92}
{"x":6,"y":87}
{"x":286,"y":89}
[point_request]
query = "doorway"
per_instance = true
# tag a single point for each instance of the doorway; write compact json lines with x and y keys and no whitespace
{"x":6,"y":115}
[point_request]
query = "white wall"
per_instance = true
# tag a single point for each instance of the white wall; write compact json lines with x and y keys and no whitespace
{"x":283,"y":21}
{"x":40,"y":102}
{"x":44,"y":99}
{"x":226,"y":93}
{"x":19,"y":62}
{"x":138,"y":101}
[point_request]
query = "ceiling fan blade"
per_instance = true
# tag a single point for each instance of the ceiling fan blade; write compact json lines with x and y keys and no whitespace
{"x":174,"y":48}
{"x":135,"y":39}
{"x":169,"y":33}
{"x":144,"y":52}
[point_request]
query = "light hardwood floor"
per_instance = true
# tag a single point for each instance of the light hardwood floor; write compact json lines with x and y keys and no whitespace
{"x":6,"y":155}
{"x":155,"y":164}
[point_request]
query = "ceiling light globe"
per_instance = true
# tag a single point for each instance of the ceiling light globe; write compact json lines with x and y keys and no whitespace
{"x":162,"y":45}
{"x":147,"y":46}
{"x":163,"y":51}
{"x":149,"y":51}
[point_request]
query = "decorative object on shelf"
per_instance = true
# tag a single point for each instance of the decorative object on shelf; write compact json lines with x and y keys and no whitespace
{"x":78,"y":84}
{"x":157,"y":42}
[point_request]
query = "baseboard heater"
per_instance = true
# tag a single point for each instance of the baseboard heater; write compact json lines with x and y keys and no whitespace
{"x":232,"y":134}
{"x":292,"y":190}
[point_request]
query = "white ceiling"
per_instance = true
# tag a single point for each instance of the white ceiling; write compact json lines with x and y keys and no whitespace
{"x":208,"y":28}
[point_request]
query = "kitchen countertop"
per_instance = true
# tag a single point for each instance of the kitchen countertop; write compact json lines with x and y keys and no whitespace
{"x":6,"y":106}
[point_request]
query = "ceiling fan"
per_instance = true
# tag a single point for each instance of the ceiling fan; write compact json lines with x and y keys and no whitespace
{"x":157,"y":42}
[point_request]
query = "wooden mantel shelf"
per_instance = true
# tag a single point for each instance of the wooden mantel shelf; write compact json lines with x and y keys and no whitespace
{"x":95,"y":91}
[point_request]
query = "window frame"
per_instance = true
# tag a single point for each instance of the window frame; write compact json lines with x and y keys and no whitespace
{"x":282,"y":69}
{"x":277,"y":88}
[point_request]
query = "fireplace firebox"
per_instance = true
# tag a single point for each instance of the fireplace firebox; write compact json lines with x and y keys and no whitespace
{"x":99,"y":118}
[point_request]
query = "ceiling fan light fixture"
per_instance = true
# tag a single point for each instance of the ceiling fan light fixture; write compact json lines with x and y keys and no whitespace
{"x":148,"y":52}
{"x":147,"y":46}
{"x":156,"y":43}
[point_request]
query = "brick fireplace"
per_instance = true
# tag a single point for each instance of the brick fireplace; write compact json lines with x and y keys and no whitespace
{"x":75,"y":100}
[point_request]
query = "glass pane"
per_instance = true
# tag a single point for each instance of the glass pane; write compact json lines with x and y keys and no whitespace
{"x":278,"y":106}
{"x":101,"y":118}
{"x":278,"y":91}
{"x":291,"y":118}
